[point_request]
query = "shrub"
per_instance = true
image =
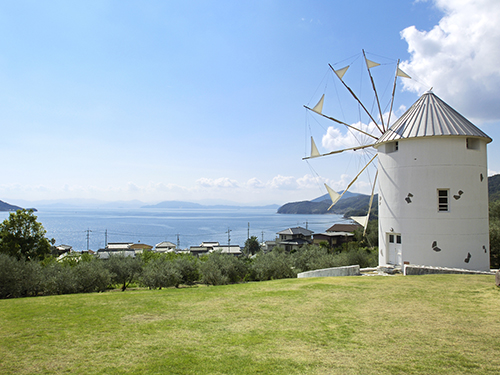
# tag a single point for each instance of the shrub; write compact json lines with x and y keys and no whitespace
{"x":160,"y":273}
{"x":91,"y":276}
{"x":59,"y":279}
{"x":495,"y":234}
{"x":312,"y":258}
{"x":274,"y":265}
{"x":189,"y":269}
{"x":219,"y":269}
{"x":353,"y":254}
{"x":33,"y":280}
{"x":11,"y":275}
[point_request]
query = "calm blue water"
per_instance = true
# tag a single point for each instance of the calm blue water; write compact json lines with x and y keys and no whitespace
{"x":151,"y":226}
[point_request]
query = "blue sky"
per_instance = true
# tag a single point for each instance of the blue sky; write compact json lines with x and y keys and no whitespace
{"x":203,"y":100}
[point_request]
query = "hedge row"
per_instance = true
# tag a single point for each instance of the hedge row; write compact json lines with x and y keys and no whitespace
{"x":20,"y":278}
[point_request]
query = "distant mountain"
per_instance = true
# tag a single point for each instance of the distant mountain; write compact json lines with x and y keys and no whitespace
{"x":326,"y":197}
{"x":8,"y":207}
{"x":191,"y":205}
{"x":174,"y":204}
{"x":351,"y":204}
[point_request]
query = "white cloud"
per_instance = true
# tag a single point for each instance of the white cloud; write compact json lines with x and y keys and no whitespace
{"x":335,"y":140}
{"x":222,"y":182}
{"x":459,"y":57}
{"x":283,"y":182}
{"x":255,"y":183}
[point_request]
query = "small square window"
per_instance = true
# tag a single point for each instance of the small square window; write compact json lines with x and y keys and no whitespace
{"x":472,"y":143}
{"x":391,"y":147}
{"x":443,"y":195}
{"x":398,"y":239}
{"x":391,"y":238}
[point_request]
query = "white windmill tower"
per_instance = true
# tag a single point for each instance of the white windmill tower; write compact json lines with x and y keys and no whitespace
{"x":433,"y":189}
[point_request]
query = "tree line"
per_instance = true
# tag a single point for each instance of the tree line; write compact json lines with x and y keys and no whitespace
{"x":86,"y":274}
{"x":28,"y":269}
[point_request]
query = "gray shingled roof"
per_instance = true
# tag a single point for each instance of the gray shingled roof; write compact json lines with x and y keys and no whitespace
{"x":429,"y":116}
{"x":297,"y":230}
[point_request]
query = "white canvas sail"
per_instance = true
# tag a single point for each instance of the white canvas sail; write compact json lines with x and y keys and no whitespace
{"x":314,"y":150}
{"x":334,"y":196}
{"x":355,"y":178}
{"x":371,"y":64}
{"x":340,"y":73}
{"x":318,"y":108}
{"x":400,"y":73}
{"x":362,"y":220}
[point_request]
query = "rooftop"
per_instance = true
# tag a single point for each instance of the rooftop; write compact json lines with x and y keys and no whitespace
{"x":429,"y":116}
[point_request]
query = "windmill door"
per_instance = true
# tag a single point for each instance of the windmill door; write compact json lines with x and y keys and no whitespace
{"x":394,"y":249}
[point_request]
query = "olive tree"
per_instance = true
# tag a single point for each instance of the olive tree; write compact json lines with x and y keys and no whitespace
{"x":124,"y":269}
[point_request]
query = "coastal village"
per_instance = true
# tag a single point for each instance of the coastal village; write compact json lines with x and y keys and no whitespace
{"x":290,"y":239}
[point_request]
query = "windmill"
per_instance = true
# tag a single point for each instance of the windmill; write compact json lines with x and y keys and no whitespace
{"x":432,"y":171}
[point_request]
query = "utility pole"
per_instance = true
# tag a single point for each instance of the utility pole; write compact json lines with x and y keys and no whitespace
{"x":178,"y":242}
{"x":306,"y":224}
{"x":228,"y":240}
{"x":248,"y":231}
{"x":106,"y":238}
{"x":88,"y":239}
{"x":262,"y":236}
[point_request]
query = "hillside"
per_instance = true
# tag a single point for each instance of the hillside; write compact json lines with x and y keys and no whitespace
{"x":352,"y":205}
{"x":8,"y":207}
{"x":494,"y":187}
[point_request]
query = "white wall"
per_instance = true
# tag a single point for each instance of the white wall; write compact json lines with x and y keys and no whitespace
{"x":420,"y":167}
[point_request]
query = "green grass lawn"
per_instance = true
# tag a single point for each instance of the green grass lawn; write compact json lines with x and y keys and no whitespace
{"x":435,"y":324}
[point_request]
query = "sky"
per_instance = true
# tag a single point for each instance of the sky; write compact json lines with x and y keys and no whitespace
{"x":203,"y":101}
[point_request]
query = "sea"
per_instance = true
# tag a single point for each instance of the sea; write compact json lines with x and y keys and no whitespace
{"x":85,"y":229}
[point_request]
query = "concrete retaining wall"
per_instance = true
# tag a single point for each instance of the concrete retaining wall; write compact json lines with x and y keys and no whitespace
{"x":410,"y":269}
{"x":335,"y":271}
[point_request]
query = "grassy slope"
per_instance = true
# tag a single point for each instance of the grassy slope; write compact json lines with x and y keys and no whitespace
{"x":371,"y":325}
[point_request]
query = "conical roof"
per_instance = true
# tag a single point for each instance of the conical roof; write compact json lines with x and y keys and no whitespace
{"x":429,"y":116}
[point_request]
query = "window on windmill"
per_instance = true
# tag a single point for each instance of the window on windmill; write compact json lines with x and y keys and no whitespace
{"x":443,"y":195}
{"x":391,"y":238}
{"x":392,"y":147}
{"x":472,"y":143}
{"x":398,"y":239}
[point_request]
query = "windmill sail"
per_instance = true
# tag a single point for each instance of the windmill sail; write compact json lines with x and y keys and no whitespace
{"x":370,"y":64}
{"x":335,"y":152}
{"x":371,"y":201}
{"x":334,"y":196}
{"x":400,"y":73}
{"x":357,"y":99}
{"x":343,"y":123}
{"x":318,"y":108}
{"x":362,"y":220}
{"x":355,"y":178}
{"x":340,"y":73}
{"x":314,"y":150}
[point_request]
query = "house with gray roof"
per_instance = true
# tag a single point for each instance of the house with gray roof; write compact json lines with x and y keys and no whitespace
{"x":294,"y":238}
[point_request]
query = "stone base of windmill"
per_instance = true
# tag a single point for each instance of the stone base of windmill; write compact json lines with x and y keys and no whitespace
{"x":411,"y":269}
